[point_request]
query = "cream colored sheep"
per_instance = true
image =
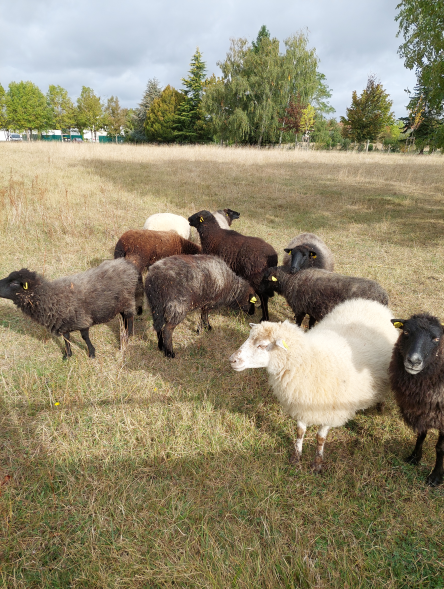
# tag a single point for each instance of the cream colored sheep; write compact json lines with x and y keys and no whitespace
{"x":324,"y":376}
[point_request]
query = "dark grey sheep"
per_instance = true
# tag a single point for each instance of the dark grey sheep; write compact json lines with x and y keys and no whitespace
{"x":248,"y":257}
{"x":177,"y":285}
{"x":417,"y":380}
{"x":317,"y":292}
{"x":225,"y":217}
{"x":307,"y":250}
{"x":75,"y":303}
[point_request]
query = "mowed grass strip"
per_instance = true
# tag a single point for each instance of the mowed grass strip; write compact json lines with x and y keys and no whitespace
{"x":134,"y":471}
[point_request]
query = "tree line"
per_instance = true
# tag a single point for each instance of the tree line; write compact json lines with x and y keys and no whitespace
{"x":264,"y":96}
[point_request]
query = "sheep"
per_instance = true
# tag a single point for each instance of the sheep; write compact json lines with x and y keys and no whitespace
{"x":247,"y":256}
{"x":77,"y":302}
{"x":417,"y":381}
{"x":144,"y":247}
{"x":179,"y":284}
{"x":324,"y":376}
{"x":170,"y":222}
{"x":307,"y":250}
{"x":316,"y":291}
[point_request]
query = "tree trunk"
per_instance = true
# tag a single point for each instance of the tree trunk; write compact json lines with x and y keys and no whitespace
{"x":366,"y":145}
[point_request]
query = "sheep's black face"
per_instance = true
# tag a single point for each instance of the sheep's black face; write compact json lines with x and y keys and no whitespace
{"x":198,"y":219}
{"x":232,"y":214}
{"x":17,"y":283}
{"x":301,"y":257}
{"x":419,"y":341}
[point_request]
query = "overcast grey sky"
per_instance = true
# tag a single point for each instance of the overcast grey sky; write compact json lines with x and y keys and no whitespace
{"x":115,"y":46}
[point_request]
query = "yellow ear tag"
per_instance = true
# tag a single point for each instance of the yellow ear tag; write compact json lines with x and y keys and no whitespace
{"x":201,"y":219}
{"x":274,"y":279}
{"x":253,"y":299}
{"x":398,"y":324}
{"x":25,"y":286}
{"x":285,"y":345}
{"x":313,"y":256}
{"x":289,"y":252}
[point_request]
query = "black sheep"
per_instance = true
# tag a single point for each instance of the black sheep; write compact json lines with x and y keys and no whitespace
{"x":177,"y":285}
{"x":248,"y":257}
{"x":417,"y":380}
{"x":75,"y":303}
{"x":316,"y":292}
{"x":307,"y":250}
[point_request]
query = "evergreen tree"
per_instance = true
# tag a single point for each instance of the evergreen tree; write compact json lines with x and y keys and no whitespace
{"x":3,"y":117}
{"x":188,"y":124}
{"x":89,"y":112}
{"x":264,"y":33}
{"x":368,"y":114}
{"x":26,"y":107}
{"x":152,"y":91}
{"x":161,"y":117}
{"x":61,"y":108}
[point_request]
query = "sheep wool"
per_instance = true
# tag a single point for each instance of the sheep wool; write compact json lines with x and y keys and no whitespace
{"x":168,"y":222}
{"x":322,"y":377}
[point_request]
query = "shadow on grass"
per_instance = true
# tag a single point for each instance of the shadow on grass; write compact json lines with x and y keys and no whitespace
{"x":298,"y":196}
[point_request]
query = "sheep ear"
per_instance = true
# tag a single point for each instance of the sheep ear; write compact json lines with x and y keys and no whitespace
{"x":287,"y":251}
{"x":280,"y":342}
{"x":253,"y":324}
{"x":398,"y":323}
{"x":201,"y":219}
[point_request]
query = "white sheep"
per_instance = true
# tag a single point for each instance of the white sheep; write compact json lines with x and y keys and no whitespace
{"x":324,"y":376}
{"x":169,"y":222}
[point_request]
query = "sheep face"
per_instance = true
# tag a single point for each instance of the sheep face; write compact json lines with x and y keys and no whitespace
{"x":232,"y":215}
{"x":199,"y":219}
{"x":419,"y":341}
{"x":301,"y":257}
{"x":255,"y":352}
{"x":17,"y":283}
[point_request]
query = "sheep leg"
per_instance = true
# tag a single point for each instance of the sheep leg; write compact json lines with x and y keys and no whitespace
{"x":435,"y":478}
{"x":139,"y":295}
{"x":160,"y":340}
{"x":416,"y":455}
{"x":68,"y":352}
{"x":168,"y":339}
{"x":299,"y":318}
{"x":264,"y":306}
{"x":204,"y":321}
{"x":85,"y":335}
{"x":295,"y":458}
{"x":311,"y":322}
{"x":321,"y":437}
{"x":128,"y":324}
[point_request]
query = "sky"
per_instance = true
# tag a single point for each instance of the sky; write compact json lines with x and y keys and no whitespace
{"x":115,"y":46}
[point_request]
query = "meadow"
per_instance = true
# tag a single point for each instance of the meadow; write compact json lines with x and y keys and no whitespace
{"x":135,"y":471}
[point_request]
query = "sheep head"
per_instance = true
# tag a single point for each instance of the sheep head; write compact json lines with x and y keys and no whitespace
{"x":201,"y":219}
{"x":255,"y":352}
{"x":18,"y":283}
{"x":302,"y":256}
{"x":419,"y":342}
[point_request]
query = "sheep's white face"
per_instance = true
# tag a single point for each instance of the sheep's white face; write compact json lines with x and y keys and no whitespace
{"x":251,"y":355}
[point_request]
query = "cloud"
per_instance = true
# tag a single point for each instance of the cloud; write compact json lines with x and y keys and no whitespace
{"x":115,"y":46}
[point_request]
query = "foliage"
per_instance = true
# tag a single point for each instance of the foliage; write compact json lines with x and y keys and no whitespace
{"x":291,"y":121}
{"x":161,"y":117}
{"x":425,"y":123}
{"x":308,"y":119}
{"x":189,"y":126}
{"x":61,"y":108}
{"x":3,"y":117}
{"x":26,"y":107}
{"x":89,"y":112}
{"x":115,"y":117}
{"x":248,"y":103}
{"x":369,"y":113}
{"x":152,"y":91}
{"x":421,"y":23}
{"x":326,"y":133}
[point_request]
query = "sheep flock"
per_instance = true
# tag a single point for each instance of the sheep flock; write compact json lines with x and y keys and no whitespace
{"x":348,"y":358}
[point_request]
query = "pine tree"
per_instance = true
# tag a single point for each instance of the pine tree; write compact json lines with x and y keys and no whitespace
{"x":188,"y":127}
{"x":152,"y":91}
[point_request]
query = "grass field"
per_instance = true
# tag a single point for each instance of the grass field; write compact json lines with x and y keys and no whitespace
{"x":134,"y":471}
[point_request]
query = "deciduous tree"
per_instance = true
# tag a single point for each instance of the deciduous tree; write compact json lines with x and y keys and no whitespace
{"x":3,"y":118}
{"x":161,"y":117}
{"x":61,"y":108}
{"x":26,"y":107}
{"x":89,"y":112}
{"x":114,"y":118}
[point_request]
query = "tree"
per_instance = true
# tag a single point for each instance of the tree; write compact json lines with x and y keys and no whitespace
{"x":421,"y":23}
{"x":368,"y":114}
{"x":425,"y":122}
{"x":61,"y":108}
{"x":161,"y":117}
{"x":291,"y":121}
{"x":189,"y":117}
{"x":152,"y":91}
{"x":26,"y":107}
{"x":89,"y":112}
{"x":114,"y":118}
{"x":3,"y":117}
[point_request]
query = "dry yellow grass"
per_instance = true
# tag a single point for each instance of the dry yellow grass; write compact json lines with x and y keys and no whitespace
{"x":155,"y":473}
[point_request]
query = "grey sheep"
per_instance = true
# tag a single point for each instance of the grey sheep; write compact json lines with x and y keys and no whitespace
{"x":247,"y":256}
{"x":75,"y":303}
{"x":307,"y":250}
{"x":177,"y":285}
{"x":316,"y":292}
{"x":417,"y":381}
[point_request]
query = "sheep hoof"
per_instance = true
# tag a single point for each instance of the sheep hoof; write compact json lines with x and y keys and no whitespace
{"x":295,"y":458}
{"x":169,"y":354}
{"x":92,"y":355}
{"x":317,"y":467}
{"x":413,"y":459}
{"x":434,"y":479}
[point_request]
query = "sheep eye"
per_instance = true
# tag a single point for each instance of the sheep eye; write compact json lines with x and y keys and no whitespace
{"x":262,"y":346}
{"x":405,"y":332}
{"x":436,"y":339}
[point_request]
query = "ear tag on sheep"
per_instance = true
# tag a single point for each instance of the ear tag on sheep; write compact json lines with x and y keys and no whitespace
{"x":25,"y":286}
{"x":201,"y":219}
{"x":289,"y":252}
{"x":313,"y":256}
{"x":274,"y":279}
{"x":253,"y":300}
{"x":398,"y":324}
{"x":282,"y":344}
